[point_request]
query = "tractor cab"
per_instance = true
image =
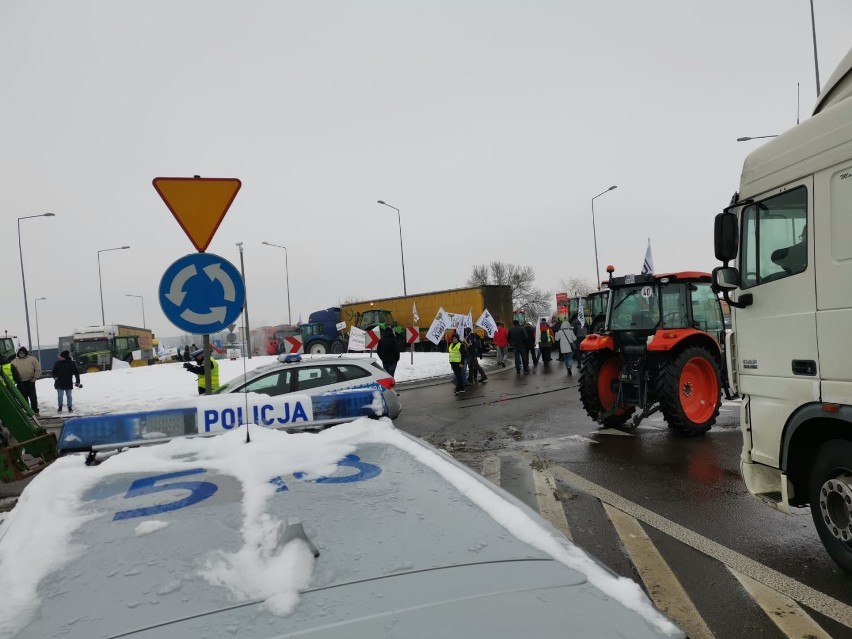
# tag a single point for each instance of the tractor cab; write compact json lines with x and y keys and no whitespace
{"x":596,"y":310}
{"x":660,"y":349}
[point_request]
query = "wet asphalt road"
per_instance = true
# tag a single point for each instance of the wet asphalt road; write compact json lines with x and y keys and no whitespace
{"x":536,"y":421}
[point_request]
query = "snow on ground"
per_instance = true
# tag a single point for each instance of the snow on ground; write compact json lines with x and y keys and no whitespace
{"x":142,"y":388}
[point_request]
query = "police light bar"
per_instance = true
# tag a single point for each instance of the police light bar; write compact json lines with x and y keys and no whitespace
{"x":215,"y":414}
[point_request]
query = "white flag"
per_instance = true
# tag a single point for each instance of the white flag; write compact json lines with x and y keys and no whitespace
{"x":648,"y":264}
{"x":468,"y":320}
{"x":486,"y":322}
{"x":414,"y":312}
{"x":439,"y":327}
{"x":581,"y":312}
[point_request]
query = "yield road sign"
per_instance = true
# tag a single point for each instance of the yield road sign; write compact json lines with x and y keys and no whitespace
{"x":372,"y":339}
{"x":292,"y":344}
{"x":202,"y":293}
{"x":412,"y":334}
{"x":198,"y":204}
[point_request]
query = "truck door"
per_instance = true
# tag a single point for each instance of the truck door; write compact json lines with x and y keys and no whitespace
{"x":776,"y":344}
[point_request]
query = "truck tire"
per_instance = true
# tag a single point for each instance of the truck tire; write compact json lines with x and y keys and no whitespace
{"x":337,"y":347}
{"x":830,"y":493}
{"x":689,"y":389}
{"x":318,"y":348}
{"x":599,"y":387}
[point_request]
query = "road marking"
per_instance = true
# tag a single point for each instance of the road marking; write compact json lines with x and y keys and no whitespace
{"x":663,"y":586}
{"x":783,"y":611}
{"x":491,"y":469}
{"x":795,"y":590}
{"x":548,"y":505}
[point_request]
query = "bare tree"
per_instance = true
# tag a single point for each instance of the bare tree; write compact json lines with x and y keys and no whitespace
{"x":525,"y":295}
{"x":349,"y":299}
{"x":577,"y":286}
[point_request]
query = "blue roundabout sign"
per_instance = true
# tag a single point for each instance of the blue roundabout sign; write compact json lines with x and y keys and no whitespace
{"x":202,"y":293}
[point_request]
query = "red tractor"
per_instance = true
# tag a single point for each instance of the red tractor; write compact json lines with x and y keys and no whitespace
{"x":660,"y":350}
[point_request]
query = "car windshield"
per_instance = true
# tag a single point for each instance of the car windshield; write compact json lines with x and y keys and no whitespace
{"x":634,"y":308}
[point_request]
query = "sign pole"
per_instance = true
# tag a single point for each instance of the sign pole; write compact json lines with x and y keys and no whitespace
{"x":208,"y":381}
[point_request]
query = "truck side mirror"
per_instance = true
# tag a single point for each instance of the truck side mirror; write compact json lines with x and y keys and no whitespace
{"x":725,"y":236}
{"x":726,"y":278}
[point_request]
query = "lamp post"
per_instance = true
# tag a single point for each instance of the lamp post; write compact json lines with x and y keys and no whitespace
{"x":402,"y":257}
{"x":143,"y":306}
{"x":23,"y":279}
{"x":756,"y":137}
{"x":38,"y":339}
{"x":287,"y":275}
{"x":247,"y":336}
{"x":595,"y":236}
{"x":100,"y":280}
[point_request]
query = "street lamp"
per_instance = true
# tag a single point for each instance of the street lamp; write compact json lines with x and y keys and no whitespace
{"x":756,"y":137}
{"x":595,"y":236}
{"x":38,"y":339}
{"x":23,"y":280}
{"x":143,"y":306}
{"x":402,"y":257}
{"x":100,"y":281}
{"x":287,"y":274}
{"x":247,"y":336}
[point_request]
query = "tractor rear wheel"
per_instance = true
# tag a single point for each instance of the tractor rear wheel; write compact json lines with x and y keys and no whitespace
{"x":318,"y":348}
{"x":689,"y":389}
{"x":599,"y":387}
{"x":337,"y":347}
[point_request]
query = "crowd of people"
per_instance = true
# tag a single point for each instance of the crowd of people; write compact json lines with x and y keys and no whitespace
{"x":527,"y":343}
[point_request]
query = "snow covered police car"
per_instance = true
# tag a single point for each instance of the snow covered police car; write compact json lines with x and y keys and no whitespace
{"x":293,"y":374}
{"x":355,"y":531}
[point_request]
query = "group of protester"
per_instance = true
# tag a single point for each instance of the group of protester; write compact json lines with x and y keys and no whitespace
{"x":528,"y":343}
{"x":25,"y":370}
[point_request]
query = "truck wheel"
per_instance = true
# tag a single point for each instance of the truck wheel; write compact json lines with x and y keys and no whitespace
{"x":318,"y":348}
{"x":599,"y":387}
{"x":830,"y":495}
{"x":337,"y":348}
{"x":689,"y":388}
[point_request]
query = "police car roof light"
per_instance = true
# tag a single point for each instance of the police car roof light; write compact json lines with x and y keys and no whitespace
{"x":290,"y":359}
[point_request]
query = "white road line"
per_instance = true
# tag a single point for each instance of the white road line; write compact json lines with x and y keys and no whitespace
{"x":795,"y":590}
{"x":663,"y":586}
{"x":783,"y":611}
{"x":491,"y":469}
{"x":548,"y":505}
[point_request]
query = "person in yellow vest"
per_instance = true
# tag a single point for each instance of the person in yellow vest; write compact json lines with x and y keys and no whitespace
{"x":457,"y":352}
{"x":7,"y":370}
{"x":198,"y":369}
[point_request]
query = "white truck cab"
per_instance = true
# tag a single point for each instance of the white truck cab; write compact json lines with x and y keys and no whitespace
{"x":788,"y":232}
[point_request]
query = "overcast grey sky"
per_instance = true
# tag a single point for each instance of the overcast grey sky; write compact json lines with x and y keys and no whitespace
{"x":489,"y":124}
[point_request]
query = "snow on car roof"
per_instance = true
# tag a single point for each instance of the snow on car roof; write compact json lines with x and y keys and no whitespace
{"x":99,"y":550}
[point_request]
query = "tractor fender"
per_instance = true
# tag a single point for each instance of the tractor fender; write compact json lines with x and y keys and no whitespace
{"x":673,"y":340}
{"x":596,"y":342}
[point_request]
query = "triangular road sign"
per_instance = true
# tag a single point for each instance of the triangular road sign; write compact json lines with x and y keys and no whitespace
{"x":198,"y":204}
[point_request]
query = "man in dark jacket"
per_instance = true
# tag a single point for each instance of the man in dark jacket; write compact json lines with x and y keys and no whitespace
{"x":388,"y":351}
{"x":518,"y":341}
{"x":64,"y":373}
{"x":529,"y":329}
{"x":474,"y":352}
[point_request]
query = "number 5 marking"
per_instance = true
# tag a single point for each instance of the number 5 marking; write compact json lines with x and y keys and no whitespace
{"x":198,"y":491}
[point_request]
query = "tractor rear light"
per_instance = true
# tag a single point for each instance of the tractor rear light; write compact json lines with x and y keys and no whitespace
{"x":387,"y":382}
{"x":669,"y":335}
{"x":831,"y":408}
